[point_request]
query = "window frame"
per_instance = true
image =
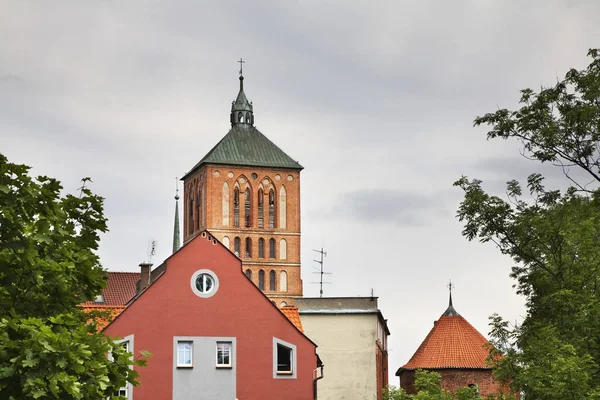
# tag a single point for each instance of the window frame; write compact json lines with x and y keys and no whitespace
{"x":292,"y":374}
{"x":229,"y":354}
{"x":191,"y":351}
{"x":214,"y":288}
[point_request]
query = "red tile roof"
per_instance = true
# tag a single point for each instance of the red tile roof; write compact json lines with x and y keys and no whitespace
{"x":292,"y":314}
{"x":120,"y":288}
{"x":113,"y":312}
{"x":451,"y":343}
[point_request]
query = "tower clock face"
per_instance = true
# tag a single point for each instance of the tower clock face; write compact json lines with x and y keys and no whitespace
{"x":204,"y":283}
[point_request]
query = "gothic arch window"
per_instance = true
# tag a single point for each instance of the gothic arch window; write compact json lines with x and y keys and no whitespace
{"x":240,"y":117}
{"x":197,"y":219}
{"x":225,"y":205}
{"x":191,"y":217}
{"x":261,"y":279}
{"x":236,"y":207}
{"x":237,"y":243}
{"x":249,"y":273}
{"x":282,"y":207}
{"x":226,"y":241}
{"x":271,"y":208}
{"x":248,"y":247}
{"x":202,"y":218}
{"x":247,"y":208}
{"x":272,"y":280}
{"x":261,"y":248}
{"x":261,"y":208}
{"x":283,"y":281}
{"x":271,"y":248}
{"x":282,"y":249}
{"x":248,"y":118}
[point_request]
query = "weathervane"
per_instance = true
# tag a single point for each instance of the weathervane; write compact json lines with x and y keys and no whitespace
{"x":241,"y":65}
{"x":450,"y":286}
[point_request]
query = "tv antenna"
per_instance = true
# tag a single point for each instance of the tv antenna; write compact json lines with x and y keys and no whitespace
{"x":320,"y":271}
{"x":151,"y":250}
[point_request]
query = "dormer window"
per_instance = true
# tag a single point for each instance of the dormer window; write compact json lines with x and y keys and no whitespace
{"x":99,"y":299}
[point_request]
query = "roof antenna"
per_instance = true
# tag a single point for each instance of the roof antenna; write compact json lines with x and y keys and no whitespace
{"x":151,"y":250}
{"x":320,"y":271}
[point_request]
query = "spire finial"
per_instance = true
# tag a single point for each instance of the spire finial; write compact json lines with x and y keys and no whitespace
{"x":450,"y":311}
{"x":241,"y":67}
{"x":176,"y":234}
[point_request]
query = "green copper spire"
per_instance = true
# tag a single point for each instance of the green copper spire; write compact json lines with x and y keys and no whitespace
{"x":241,"y":108}
{"x":176,"y":235}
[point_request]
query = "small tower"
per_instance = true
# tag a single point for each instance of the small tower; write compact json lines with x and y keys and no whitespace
{"x":176,"y":234}
{"x":246,"y":192}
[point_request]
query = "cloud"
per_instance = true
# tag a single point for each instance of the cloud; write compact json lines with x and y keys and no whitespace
{"x":385,"y":206}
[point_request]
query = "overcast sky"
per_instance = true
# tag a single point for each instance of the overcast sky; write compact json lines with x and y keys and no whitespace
{"x":375,"y":99}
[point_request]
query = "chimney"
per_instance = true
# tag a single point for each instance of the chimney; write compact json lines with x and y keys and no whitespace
{"x":144,"y":275}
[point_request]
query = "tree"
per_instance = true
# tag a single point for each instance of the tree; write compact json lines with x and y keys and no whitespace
{"x":553,"y":237}
{"x":49,"y":348}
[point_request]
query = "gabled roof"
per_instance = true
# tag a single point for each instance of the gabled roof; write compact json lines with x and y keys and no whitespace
{"x":452,"y":343}
{"x":247,"y":146}
{"x":292,"y":314}
{"x":120,"y":288}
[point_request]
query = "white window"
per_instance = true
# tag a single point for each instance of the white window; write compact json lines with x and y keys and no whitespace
{"x":127,"y":346}
{"x":223,"y":354}
{"x":284,"y":360}
{"x":184,"y":354}
{"x":204,"y":283}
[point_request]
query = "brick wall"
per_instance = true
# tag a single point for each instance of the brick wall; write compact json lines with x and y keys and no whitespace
{"x":203,"y":209}
{"x":453,"y":379}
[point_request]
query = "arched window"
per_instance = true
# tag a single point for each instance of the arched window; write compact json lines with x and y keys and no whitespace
{"x":283,"y":281}
{"x":236,"y":207}
{"x":271,"y":248}
{"x":261,"y":248}
{"x":225,"y":204}
{"x":249,"y":274}
{"x":271,"y":208}
{"x":240,"y":117}
{"x":261,"y":208}
{"x":261,"y":279}
{"x":282,"y":249}
{"x":202,"y":218}
{"x":237,"y":243}
{"x":272,"y":280}
{"x":226,"y":241}
{"x":282,"y":207}
{"x":248,"y":247}
{"x":197,"y":222}
{"x":191,"y":217}
{"x":247,"y":210}
{"x":283,"y":304}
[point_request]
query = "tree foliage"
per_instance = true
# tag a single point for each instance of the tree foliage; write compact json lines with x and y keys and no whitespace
{"x":553,"y":237}
{"x":49,"y":348}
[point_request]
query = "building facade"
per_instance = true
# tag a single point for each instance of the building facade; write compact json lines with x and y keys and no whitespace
{"x":246,"y":192}
{"x":212,"y":334}
{"x":458,"y":352}
{"x":352,"y":336}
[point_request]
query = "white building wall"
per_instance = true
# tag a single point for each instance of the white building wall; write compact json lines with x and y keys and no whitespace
{"x":347,"y":348}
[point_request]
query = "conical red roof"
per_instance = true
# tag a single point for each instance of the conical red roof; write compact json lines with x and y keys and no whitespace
{"x":451,"y":343}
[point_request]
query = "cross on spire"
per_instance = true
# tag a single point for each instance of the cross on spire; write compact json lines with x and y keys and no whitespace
{"x":241,"y":65}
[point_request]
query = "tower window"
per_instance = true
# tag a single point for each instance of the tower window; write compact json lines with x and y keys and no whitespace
{"x":247,"y":211}
{"x":271,"y":208}
{"x":248,"y":247}
{"x":237,"y":243}
{"x":240,"y":117}
{"x":236,"y":207}
{"x":191,"y":217}
{"x":283,"y":281}
{"x":271,"y":248}
{"x":261,"y":279}
{"x":197,"y":223}
{"x":249,"y":273}
{"x":261,"y":208}
{"x":261,"y":248}
{"x":272,"y":280}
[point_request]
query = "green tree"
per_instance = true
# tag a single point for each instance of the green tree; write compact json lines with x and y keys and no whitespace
{"x":553,"y":237}
{"x":428,"y":385}
{"x":49,"y":348}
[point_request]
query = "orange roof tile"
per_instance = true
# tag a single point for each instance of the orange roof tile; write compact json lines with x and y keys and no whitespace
{"x":113,"y":312}
{"x":451,"y":343}
{"x":120,"y":288}
{"x":292,"y":314}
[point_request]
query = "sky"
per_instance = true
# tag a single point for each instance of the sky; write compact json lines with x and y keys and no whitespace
{"x":375,"y":99}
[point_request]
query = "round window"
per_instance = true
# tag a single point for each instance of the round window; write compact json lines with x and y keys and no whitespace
{"x":204,"y":283}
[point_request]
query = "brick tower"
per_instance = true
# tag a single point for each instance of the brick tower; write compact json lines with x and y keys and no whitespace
{"x":246,"y":192}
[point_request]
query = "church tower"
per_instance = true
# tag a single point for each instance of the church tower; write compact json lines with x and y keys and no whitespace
{"x":246,"y":192}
